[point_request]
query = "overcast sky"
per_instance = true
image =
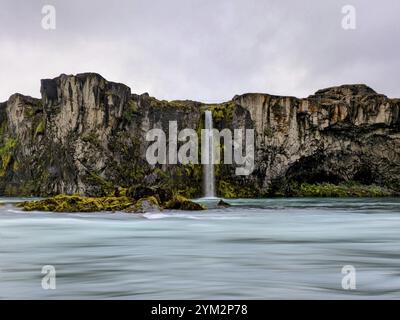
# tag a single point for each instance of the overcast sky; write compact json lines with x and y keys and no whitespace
{"x":206,"y":50}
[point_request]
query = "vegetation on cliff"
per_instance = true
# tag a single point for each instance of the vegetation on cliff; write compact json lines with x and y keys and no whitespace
{"x":94,"y":144}
{"x":6,"y":153}
{"x":349,"y":189}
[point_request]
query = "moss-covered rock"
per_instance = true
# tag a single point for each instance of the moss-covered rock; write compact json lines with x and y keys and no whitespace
{"x":99,"y":186}
{"x":76,"y":203}
{"x":148,"y":204}
{"x":161,"y":194}
{"x":181,"y":203}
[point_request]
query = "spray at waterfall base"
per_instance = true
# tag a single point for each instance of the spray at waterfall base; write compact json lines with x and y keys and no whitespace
{"x":188,"y":152}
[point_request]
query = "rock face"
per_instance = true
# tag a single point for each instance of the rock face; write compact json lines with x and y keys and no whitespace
{"x":339,"y":134}
{"x":87,"y":135}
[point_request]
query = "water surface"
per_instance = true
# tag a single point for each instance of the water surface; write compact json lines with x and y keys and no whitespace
{"x":259,"y":249}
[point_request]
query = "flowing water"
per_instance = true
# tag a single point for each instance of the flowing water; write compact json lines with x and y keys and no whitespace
{"x":271,"y":248}
{"x":208,"y":169}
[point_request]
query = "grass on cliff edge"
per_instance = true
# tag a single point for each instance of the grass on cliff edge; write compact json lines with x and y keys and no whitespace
{"x":77,"y":203}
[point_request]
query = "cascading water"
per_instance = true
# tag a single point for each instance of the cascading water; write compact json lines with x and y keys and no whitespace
{"x":208,"y":167}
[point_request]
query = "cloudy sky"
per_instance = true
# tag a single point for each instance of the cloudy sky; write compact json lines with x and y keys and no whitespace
{"x":207,"y":50}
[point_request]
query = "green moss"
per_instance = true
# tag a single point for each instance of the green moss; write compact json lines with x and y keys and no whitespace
{"x":144,"y":205}
{"x":177,"y":103}
{"x":92,"y":138}
{"x":121,"y":191}
{"x":11,"y":190}
{"x":76,"y":203}
{"x":131,"y":110}
{"x":268,"y":132}
{"x":349,"y":189}
{"x":104,"y":187}
{"x":228,"y":189}
{"x":218,"y":115}
{"x":179,"y":202}
{"x":6,"y":153}
{"x":15,"y":166}
{"x":3,"y":129}
{"x":29,"y":111}
{"x":40,"y":129}
{"x":26,"y":188}
{"x":154,"y":103}
{"x":152,"y":200}
{"x":184,"y":173}
{"x":222,"y":113}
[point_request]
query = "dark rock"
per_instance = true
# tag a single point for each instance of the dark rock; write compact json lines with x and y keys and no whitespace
{"x":222,"y":204}
{"x":182,"y":203}
{"x":139,"y":192}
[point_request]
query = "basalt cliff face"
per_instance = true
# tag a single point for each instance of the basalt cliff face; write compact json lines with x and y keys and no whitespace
{"x":87,"y":135}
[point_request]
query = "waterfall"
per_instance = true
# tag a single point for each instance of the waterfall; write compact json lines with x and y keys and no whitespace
{"x":208,"y":168}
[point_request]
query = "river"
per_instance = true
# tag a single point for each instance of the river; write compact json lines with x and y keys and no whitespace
{"x":255,"y":249}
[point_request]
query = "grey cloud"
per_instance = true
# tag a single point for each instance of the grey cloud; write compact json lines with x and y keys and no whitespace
{"x":206,"y":50}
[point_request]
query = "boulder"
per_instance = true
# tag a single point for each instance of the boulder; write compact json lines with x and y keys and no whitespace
{"x":139,"y":192}
{"x":222,"y":204}
{"x":181,"y":203}
{"x":147,"y":204}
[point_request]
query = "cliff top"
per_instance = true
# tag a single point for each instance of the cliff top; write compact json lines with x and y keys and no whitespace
{"x":347,"y":90}
{"x":335,"y":92}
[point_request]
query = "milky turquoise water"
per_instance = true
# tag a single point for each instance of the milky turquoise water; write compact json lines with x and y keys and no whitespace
{"x":258,"y":249}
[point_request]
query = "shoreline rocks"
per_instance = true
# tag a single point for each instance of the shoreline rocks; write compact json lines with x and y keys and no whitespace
{"x":77,"y":203}
{"x":143,"y":205}
{"x":181,"y":203}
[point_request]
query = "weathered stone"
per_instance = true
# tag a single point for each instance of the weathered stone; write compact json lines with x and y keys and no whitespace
{"x":222,"y":204}
{"x":182,"y":203}
{"x":139,"y":192}
{"x":147,"y":204}
{"x":87,"y":135}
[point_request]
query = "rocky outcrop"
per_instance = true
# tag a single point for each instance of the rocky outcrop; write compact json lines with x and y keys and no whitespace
{"x":76,"y":203}
{"x":86,"y":135}
{"x":181,"y":203}
{"x":339,"y":134}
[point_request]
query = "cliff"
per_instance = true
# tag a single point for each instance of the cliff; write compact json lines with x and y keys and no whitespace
{"x":86,"y":135}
